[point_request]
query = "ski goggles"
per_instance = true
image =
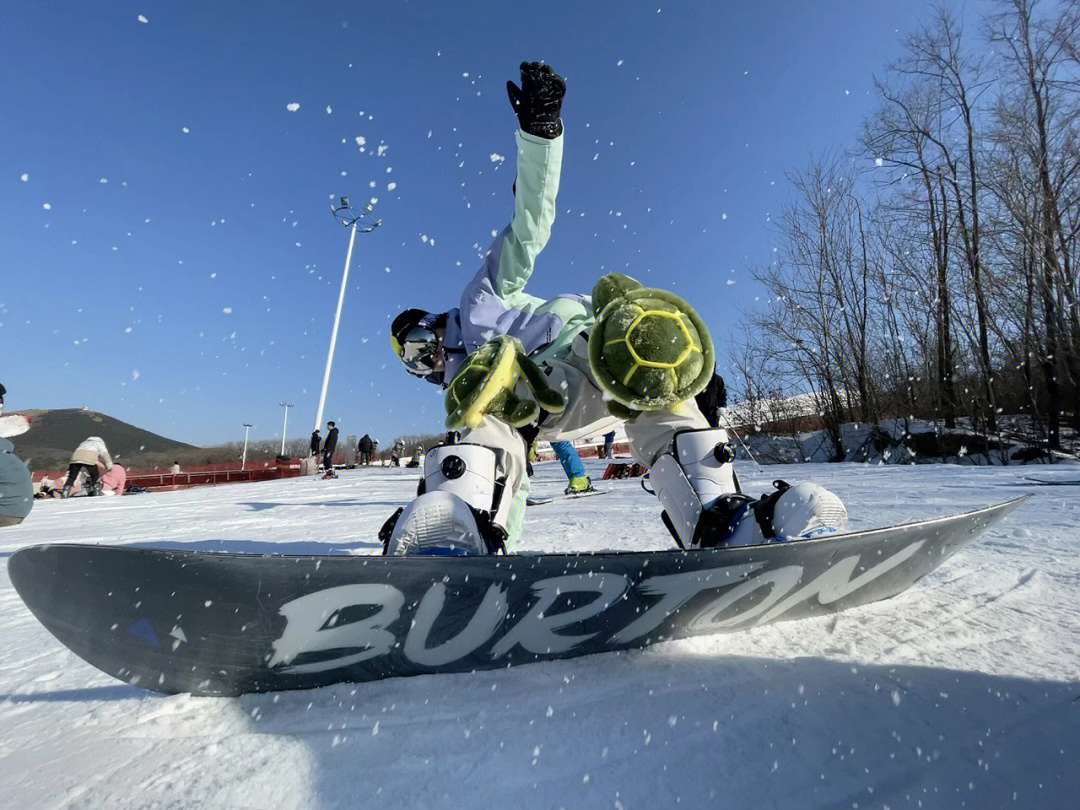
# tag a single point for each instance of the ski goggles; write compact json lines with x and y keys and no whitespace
{"x":419,"y":348}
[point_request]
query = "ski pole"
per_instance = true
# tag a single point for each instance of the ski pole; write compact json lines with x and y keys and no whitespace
{"x":742,"y":444}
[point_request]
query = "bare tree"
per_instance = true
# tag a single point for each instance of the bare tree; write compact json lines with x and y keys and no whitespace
{"x":1038,"y":119}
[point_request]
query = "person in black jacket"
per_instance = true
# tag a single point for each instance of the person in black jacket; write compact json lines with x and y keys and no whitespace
{"x":316,"y":442}
{"x":328,"y":448}
{"x":365,"y":446}
{"x":713,"y":399}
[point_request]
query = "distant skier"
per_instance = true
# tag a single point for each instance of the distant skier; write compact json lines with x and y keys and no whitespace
{"x":625,"y":353}
{"x":86,"y":457}
{"x":609,"y":445}
{"x":578,"y":482}
{"x":396,"y":452}
{"x":316,"y":442}
{"x":365,"y":447}
{"x":417,"y":456}
{"x":3,"y":391}
{"x":329,"y":447}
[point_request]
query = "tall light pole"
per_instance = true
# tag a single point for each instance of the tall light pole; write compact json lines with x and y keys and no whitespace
{"x":284,"y":427}
{"x":243,"y":457}
{"x":364,"y":222}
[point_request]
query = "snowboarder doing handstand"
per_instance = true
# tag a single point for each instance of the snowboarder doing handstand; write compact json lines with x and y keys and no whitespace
{"x":517,"y":367}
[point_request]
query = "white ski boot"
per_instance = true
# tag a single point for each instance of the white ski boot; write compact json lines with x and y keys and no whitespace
{"x":704,"y":506}
{"x":454,"y":513}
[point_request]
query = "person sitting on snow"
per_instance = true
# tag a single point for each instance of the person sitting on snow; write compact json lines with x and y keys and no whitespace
{"x":587,"y":362}
{"x":86,"y":457}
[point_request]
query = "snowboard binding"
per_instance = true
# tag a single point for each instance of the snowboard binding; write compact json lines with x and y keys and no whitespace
{"x":704,"y":506}
{"x":455,"y":508}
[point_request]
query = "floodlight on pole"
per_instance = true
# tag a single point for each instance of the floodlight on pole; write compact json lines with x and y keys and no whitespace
{"x":243,"y":456}
{"x":285,"y":425}
{"x":362,"y":221}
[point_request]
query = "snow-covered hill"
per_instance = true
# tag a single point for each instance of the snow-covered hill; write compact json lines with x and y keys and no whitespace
{"x":962,"y":692}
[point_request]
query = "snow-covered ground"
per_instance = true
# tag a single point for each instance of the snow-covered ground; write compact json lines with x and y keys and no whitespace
{"x":962,"y":692}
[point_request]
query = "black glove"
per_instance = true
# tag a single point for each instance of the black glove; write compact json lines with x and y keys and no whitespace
{"x":539,"y":99}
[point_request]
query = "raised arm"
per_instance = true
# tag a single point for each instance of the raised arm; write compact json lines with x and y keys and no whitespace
{"x":495,"y":301}
{"x":539,"y":164}
{"x":537,"y":104}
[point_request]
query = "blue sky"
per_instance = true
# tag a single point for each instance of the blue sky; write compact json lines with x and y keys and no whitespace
{"x":168,"y":256}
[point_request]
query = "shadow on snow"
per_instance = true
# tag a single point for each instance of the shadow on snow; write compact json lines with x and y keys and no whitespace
{"x":617,"y":727}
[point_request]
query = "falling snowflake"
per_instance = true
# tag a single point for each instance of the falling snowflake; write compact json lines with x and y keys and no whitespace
{"x":143,"y":19}
{"x":293,"y":106}
{"x":227,"y":310}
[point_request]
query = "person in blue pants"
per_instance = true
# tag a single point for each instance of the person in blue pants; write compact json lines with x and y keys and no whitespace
{"x":572,"y":466}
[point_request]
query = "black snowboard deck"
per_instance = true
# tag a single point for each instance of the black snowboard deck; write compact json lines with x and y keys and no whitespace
{"x":225,"y":624}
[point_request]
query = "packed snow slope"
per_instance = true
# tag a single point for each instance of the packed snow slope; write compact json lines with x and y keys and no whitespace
{"x":962,"y":692}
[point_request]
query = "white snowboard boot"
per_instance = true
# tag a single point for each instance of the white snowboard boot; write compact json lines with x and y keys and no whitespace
{"x":454,"y":513}
{"x":704,"y":506}
{"x":693,"y":477}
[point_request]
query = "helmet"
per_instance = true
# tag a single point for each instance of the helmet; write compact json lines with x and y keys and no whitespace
{"x":413,"y":337}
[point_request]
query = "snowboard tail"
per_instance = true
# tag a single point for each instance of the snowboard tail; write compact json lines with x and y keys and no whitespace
{"x":225,"y":624}
{"x":1057,"y":482}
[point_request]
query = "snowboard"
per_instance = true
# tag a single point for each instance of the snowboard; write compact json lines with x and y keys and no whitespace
{"x":225,"y":624}
{"x":572,"y":496}
{"x":540,"y":500}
